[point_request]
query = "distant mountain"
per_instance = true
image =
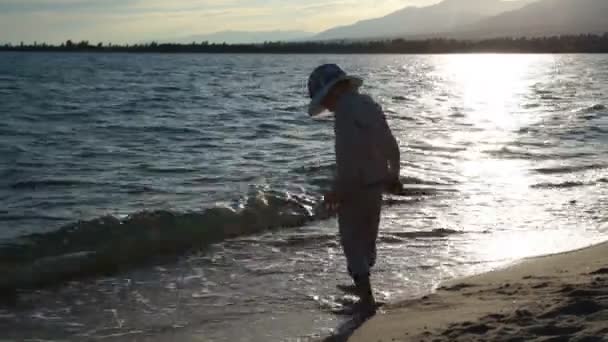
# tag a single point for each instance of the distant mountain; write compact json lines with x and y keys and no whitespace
{"x":236,"y":37}
{"x":544,"y":18}
{"x":446,"y":16}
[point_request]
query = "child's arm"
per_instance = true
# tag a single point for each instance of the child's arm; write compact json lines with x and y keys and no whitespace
{"x":394,"y":185}
{"x":389,"y":147}
{"x":393,"y":154}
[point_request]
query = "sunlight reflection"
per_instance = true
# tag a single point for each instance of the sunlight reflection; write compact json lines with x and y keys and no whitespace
{"x":491,"y":84}
{"x":491,"y":88}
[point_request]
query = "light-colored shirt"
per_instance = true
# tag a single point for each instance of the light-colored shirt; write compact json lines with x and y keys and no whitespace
{"x":367,"y":153}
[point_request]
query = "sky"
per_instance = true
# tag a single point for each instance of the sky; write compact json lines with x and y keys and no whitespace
{"x":128,"y":21}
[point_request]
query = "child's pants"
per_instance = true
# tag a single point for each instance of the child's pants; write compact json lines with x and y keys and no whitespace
{"x":358,"y":219}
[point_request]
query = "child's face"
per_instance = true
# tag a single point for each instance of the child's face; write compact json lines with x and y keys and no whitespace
{"x":330,"y":101}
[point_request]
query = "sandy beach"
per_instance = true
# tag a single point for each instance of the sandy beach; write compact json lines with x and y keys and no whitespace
{"x":561,"y":297}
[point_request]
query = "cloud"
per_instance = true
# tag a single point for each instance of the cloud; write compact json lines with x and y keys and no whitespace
{"x":136,"y":20}
{"x":36,"y":6}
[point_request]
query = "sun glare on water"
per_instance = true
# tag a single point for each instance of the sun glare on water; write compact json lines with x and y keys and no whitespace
{"x":491,"y":85}
{"x":491,"y":90}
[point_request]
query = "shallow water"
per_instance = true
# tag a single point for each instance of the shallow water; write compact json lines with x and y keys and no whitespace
{"x":507,"y":154}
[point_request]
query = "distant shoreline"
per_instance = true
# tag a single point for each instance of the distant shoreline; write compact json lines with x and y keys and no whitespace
{"x":585,"y":43}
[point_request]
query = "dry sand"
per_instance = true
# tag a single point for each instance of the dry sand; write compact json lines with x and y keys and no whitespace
{"x":562,"y":297}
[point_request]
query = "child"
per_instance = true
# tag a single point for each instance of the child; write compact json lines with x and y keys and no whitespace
{"x":368,"y":162}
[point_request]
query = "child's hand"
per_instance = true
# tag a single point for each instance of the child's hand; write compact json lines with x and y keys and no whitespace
{"x":394,"y":187}
{"x":331,"y":200}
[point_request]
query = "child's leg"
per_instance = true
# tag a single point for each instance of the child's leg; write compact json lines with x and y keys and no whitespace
{"x":358,"y":220}
{"x":353,"y":245}
{"x":373,"y":224}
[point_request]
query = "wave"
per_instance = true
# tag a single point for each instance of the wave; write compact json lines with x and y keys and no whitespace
{"x":320,"y":176}
{"x":33,"y":184}
{"x":514,"y":153}
{"x":4,"y":216}
{"x":332,"y":240}
{"x":593,"y":108}
{"x":568,"y":184}
{"x":420,"y":181}
{"x":570,"y":169}
{"x":108,"y":244}
{"x":305,"y":239}
{"x":543,"y":91}
{"x":531,"y":105}
{"x":458,"y":115}
{"x":261,"y":97}
{"x":159,"y":129}
{"x":402,"y":118}
{"x":172,"y":130}
{"x":268,"y":127}
{"x":550,"y":97}
{"x":72,"y":183}
{"x":422,"y":191}
{"x":325,"y":170}
{"x":440,"y":232}
{"x":290,"y":109}
{"x":597,"y":129}
{"x":166,"y":169}
{"x":167,"y":88}
{"x":435,"y":148}
{"x":564,"y":185}
{"x":390,"y":238}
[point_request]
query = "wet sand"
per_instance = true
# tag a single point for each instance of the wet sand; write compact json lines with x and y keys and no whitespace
{"x":561,"y":297}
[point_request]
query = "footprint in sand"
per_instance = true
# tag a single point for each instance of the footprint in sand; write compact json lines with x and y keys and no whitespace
{"x":577,"y":307}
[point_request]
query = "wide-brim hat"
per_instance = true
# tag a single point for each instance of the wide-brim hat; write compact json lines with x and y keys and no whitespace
{"x":322,"y":80}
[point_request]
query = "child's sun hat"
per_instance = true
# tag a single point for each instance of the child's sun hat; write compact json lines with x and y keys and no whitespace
{"x":322,"y":79}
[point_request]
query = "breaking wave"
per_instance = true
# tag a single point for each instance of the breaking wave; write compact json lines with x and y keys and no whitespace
{"x":109,"y":244}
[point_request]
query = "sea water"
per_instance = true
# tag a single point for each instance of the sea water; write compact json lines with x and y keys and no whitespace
{"x":177,"y":197}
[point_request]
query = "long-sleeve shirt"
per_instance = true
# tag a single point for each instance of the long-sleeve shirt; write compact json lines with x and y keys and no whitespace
{"x":367,"y":153}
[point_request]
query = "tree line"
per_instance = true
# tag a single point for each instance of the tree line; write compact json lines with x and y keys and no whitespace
{"x":584,"y":43}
